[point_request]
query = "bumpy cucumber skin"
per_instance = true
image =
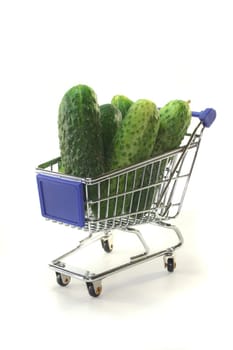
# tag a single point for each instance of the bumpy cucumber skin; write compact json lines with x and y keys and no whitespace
{"x":123,"y":103}
{"x":175,"y":118}
{"x":135,"y":139}
{"x":133,"y":143}
{"x":110,"y":118}
{"x":80,"y":135}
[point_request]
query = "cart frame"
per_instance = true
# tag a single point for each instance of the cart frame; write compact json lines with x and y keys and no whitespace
{"x":150,"y":192}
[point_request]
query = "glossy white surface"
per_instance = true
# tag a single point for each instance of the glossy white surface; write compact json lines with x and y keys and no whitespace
{"x":143,"y":49}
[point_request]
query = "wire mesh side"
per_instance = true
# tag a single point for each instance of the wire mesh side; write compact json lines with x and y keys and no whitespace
{"x":149,"y":191}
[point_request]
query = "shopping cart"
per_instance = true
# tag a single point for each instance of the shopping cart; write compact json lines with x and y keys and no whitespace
{"x":150,"y":192}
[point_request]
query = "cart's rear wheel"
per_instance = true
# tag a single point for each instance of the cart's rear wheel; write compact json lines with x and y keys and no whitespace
{"x":107,"y":244}
{"x":62,"y":280}
{"x":171,"y":264}
{"x":94,"y":288}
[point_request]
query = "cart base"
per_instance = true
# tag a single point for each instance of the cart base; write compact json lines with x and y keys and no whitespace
{"x":64,"y":272}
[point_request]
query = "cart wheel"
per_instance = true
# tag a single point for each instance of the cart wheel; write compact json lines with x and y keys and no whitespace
{"x":62,"y":280}
{"x":107,"y":245}
{"x":94,"y":288}
{"x":170,"y":264}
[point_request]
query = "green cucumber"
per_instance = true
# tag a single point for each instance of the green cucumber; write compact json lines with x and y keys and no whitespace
{"x":135,"y":139}
{"x":80,"y":136}
{"x":122,"y":102}
{"x":133,"y":143}
{"x":175,"y":118}
{"x":110,"y":118}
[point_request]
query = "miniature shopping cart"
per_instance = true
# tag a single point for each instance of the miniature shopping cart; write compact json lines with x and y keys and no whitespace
{"x":150,"y":192}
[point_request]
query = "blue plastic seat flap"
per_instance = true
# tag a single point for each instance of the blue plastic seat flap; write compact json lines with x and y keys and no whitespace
{"x":61,"y":199}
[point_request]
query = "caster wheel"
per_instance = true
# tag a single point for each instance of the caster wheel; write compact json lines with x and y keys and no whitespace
{"x":170,"y":264}
{"x":94,"y":288}
{"x":62,"y":280}
{"x":107,"y":245}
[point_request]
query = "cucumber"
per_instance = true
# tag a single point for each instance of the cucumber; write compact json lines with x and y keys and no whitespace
{"x":80,"y":136}
{"x":122,"y":102}
{"x":175,"y":118}
{"x":110,"y":118}
{"x":135,"y":139}
{"x":133,"y":143}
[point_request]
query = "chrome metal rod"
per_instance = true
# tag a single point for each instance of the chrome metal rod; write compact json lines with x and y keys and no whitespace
{"x":84,"y":242}
{"x":142,"y":240}
{"x":86,"y":275}
{"x":174,"y":228}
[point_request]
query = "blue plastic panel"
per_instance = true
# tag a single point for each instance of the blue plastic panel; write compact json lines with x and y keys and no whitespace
{"x":61,"y":199}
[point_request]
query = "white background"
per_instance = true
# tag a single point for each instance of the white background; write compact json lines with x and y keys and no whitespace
{"x":159,"y":50}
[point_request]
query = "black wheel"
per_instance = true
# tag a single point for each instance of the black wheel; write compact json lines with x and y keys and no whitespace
{"x":107,"y":245}
{"x":93,"y":290}
{"x":171,"y":264}
{"x":62,"y":280}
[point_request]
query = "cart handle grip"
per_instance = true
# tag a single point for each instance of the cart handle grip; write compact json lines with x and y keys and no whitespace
{"x":207,"y":116}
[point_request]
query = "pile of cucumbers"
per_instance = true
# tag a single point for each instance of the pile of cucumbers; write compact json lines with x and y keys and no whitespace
{"x":95,"y":139}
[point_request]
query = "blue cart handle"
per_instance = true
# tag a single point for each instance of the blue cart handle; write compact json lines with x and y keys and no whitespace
{"x":207,"y":116}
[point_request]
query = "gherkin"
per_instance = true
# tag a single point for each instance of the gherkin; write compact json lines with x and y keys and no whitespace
{"x":80,"y":136}
{"x":123,"y":103}
{"x":134,"y":140}
{"x":134,"y":143}
{"x":79,"y":130}
{"x":110,"y":118}
{"x":175,"y":118}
